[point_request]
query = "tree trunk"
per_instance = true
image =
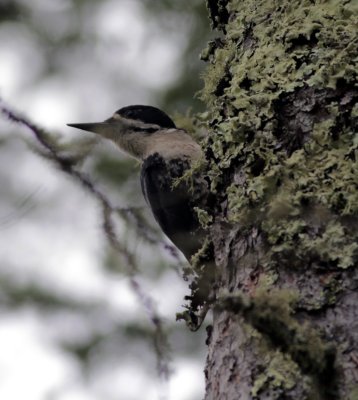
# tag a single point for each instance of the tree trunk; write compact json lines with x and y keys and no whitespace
{"x":281,"y":92}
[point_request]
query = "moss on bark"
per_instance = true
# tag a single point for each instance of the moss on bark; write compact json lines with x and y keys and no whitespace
{"x":282,"y":92}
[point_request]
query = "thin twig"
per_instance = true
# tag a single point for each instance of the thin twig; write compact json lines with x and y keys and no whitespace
{"x":45,"y":139}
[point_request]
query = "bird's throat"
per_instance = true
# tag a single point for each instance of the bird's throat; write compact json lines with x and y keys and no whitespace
{"x":169,"y":144}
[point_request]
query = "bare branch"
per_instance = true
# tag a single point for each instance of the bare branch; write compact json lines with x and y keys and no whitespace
{"x":48,"y":143}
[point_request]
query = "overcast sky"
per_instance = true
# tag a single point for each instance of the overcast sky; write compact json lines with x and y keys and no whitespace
{"x":52,"y":235}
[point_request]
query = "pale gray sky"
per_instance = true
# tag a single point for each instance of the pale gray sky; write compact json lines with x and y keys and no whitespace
{"x":58,"y":240}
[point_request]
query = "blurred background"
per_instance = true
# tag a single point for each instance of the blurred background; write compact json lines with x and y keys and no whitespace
{"x":71,"y":327}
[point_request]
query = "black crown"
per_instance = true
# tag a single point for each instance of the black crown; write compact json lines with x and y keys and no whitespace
{"x":147,"y":114}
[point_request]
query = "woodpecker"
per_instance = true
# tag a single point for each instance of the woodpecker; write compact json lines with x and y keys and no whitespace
{"x":165,"y":152}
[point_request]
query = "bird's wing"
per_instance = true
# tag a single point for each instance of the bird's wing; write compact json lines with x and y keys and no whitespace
{"x":170,"y":205}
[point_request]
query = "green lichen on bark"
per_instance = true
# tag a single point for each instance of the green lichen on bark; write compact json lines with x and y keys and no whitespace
{"x":204,"y":218}
{"x":354,"y":393}
{"x":281,"y":373}
{"x":286,"y":164}
{"x":282,"y":95}
{"x":272,"y":313}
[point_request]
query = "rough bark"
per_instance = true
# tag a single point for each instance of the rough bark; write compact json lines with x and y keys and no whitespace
{"x":281,"y":90}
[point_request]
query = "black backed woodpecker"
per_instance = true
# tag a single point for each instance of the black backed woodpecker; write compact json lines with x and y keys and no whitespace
{"x":165,"y":152}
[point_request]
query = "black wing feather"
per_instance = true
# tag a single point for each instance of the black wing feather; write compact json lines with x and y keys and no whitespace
{"x":171,"y":207}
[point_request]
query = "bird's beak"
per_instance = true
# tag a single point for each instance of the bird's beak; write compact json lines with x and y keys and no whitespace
{"x":105,"y":129}
{"x":96,"y":127}
{"x":109,"y":129}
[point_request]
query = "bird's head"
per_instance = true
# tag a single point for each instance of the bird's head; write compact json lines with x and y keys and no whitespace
{"x":140,"y":130}
{"x":128,"y":119}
